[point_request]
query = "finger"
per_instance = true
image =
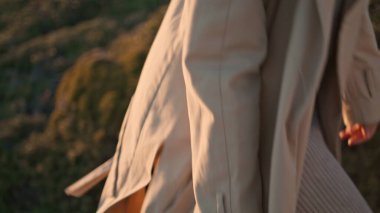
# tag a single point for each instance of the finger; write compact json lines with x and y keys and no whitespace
{"x":348,"y":132}
{"x":343,"y":135}
{"x":354,"y":128}
{"x":364,"y":132}
{"x":355,"y":140}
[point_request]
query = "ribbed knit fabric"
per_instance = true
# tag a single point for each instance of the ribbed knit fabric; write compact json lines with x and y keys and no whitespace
{"x":325,"y":186}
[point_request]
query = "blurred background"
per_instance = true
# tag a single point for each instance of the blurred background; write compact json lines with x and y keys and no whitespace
{"x":67,"y":71}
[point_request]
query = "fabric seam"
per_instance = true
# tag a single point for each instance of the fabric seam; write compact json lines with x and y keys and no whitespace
{"x":221,"y":102}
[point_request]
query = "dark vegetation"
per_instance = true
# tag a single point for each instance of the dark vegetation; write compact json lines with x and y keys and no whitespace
{"x":67,"y":71}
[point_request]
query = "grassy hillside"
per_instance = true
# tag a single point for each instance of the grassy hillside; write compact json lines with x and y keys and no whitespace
{"x":39,"y":40}
{"x":63,"y":94}
{"x":67,"y":71}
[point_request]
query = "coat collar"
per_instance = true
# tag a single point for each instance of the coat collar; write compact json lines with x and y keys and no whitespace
{"x":326,"y":12}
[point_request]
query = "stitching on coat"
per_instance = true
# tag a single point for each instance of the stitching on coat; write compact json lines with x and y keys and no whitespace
{"x":221,"y":100}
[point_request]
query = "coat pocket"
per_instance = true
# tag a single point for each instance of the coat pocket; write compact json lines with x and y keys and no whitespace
{"x":219,"y":203}
{"x":368,"y":77}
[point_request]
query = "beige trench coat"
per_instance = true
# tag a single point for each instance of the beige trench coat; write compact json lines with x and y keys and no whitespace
{"x":228,"y":89}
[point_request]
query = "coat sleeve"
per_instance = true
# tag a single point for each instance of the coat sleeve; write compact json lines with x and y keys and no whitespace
{"x":361,"y":103}
{"x":225,"y":44}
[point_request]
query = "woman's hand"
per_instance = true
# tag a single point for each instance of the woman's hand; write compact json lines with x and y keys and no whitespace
{"x":357,"y":133}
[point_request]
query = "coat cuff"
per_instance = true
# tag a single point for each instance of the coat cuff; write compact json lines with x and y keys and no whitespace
{"x":362,"y":111}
